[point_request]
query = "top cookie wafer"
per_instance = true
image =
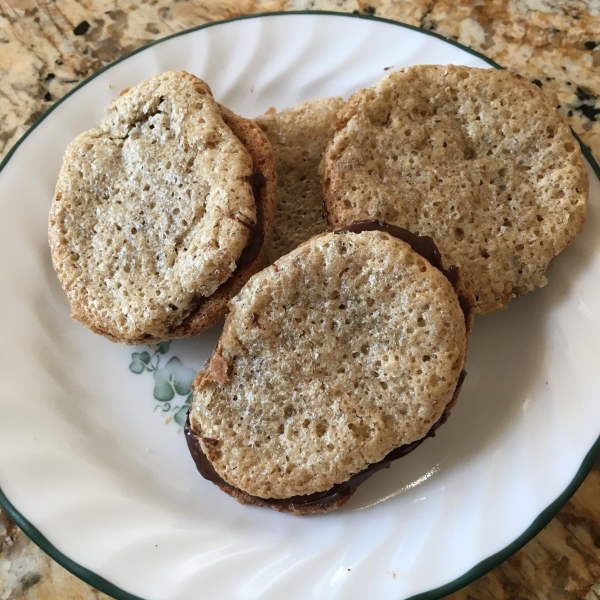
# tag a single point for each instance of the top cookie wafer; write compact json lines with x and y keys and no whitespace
{"x":152,"y":209}
{"x":476,"y":159}
{"x":264,"y":183}
{"x":341,"y":351}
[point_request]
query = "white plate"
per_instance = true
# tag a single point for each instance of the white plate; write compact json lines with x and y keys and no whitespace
{"x":93,"y":473}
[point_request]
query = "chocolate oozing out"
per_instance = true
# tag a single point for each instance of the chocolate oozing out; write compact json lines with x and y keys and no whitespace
{"x":340,"y":493}
{"x":336,"y":495}
{"x":257,"y":230}
{"x":421,"y":244}
{"x":257,"y":237}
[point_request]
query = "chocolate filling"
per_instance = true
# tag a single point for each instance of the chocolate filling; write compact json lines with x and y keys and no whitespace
{"x":421,"y":244}
{"x":257,"y":230}
{"x":318,"y":500}
{"x":426,"y":247}
{"x":256,"y":240}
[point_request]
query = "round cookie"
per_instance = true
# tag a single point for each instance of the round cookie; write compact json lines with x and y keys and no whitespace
{"x":264,"y":183}
{"x":152,"y":210}
{"x":475,"y":158}
{"x":342,"y":351}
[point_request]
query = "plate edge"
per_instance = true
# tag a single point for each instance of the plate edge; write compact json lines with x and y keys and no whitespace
{"x":477,"y":571}
{"x":232,"y":19}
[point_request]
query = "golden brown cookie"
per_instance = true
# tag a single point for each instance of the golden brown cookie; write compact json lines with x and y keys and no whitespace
{"x":342,"y":351}
{"x":264,"y":182}
{"x":154,"y":208}
{"x":299,"y":136}
{"x":475,"y":158}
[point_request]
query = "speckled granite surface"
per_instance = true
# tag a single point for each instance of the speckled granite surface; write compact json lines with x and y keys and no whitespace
{"x":47,"y":47}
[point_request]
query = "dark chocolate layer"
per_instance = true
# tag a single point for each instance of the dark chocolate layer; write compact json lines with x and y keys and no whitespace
{"x":257,"y":230}
{"x":257,"y":238}
{"x":426,"y":247}
{"x":421,"y":244}
{"x":321,"y":499}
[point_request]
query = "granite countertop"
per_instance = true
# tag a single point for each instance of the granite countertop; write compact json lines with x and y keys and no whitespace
{"x":48,"y":46}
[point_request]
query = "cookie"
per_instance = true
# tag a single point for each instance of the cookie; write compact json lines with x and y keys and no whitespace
{"x":347,"y":349}
{"x":299,"y":136}
{"x":153,"y":210}
{"x":209,"y":311}
{"x":475,"y":158}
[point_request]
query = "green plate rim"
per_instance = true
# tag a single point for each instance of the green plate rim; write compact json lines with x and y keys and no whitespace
{"x":438,"y":593}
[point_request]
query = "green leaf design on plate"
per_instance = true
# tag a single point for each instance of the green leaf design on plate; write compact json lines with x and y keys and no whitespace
{"x":181,"y":415}
{"x":183,"y":379}
{"x":139,"y":362}
{"x":170,"y":380}
{"x":173,"y":378}
{"x":163,"y":347}
{"x":163,"y":386}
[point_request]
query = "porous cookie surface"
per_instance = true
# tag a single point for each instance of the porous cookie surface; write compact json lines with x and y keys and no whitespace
{"x":476,"y":159}
{"x":299,"y":136}
{"x":213,"y":309}
{"x":343,"y":350}
{"x":151,"y":209}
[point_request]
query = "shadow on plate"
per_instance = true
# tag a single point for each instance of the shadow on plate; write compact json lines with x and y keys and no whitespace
{"x":505,"y":361}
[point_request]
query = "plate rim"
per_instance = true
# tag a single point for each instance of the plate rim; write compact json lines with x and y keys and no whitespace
{"x":475,"y":572}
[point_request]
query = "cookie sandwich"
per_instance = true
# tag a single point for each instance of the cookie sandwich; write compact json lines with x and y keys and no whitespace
{"x":478,"y":159}
{"x":161,"y":213}
{"x":340,"y":357}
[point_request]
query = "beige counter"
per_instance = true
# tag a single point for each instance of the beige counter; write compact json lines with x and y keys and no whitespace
{"x":46,"y":48}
